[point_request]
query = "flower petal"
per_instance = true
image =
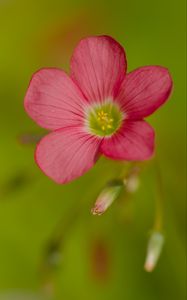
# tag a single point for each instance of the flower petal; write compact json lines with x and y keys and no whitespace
{"x":98,"y":66}
{"x":66,"y":154}
{"x":134,"y":141}
{"x":144,"y":90}
{"x":53,"y":100}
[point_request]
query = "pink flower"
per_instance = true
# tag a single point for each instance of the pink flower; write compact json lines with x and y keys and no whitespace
{"x":98,"y":109}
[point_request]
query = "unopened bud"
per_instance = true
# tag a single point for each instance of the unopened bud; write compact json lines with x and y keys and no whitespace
{"x":132,"y":183}
{"x":154,"y":250}
{"x":107,"y":197}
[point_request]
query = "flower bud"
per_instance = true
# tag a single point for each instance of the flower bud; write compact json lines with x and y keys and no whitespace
{"x":132,"y":184}
{"x":132,"y":181}
{"x":154,"y":249}
{"x":107,"y":197}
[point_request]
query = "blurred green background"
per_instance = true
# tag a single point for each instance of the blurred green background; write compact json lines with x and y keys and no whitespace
{"x":100,"y":257}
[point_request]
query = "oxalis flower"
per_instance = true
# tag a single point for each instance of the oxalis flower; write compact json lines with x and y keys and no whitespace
{"x":97,"y":109}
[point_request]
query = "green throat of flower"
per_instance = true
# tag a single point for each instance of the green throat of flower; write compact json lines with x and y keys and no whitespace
{"x":104,"y":119}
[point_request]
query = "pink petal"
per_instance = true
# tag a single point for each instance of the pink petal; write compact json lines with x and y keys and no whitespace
{"x":134,"y":141}
{"x":66,"y":154}
{"x":53,"y":100}
{"x":144,"y":90}
{"x":98,"y":66}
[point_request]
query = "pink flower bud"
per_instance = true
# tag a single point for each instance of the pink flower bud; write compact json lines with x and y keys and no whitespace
{"x":107,"y":197}
{"x":154,"y":250}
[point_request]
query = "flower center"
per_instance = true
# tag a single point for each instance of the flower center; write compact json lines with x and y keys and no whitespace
{"x":104,"y":119}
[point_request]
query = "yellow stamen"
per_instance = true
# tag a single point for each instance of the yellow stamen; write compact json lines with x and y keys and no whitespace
{"x":104,"y":121}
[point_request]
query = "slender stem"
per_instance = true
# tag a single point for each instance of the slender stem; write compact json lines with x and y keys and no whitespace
{"x":54,"y":245}
{"x":158,"y":223}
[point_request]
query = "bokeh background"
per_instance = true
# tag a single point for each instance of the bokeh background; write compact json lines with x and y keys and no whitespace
{"x":98,"y":257}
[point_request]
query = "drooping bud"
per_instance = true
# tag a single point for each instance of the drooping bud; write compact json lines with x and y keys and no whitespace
{"x":154,"y":250}
{"x":132,"y":184}
{"x":132,"y":181}
{"x":107,"y":196}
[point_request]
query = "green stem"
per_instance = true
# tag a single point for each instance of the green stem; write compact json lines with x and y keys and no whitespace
{"x":158,"y":223}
